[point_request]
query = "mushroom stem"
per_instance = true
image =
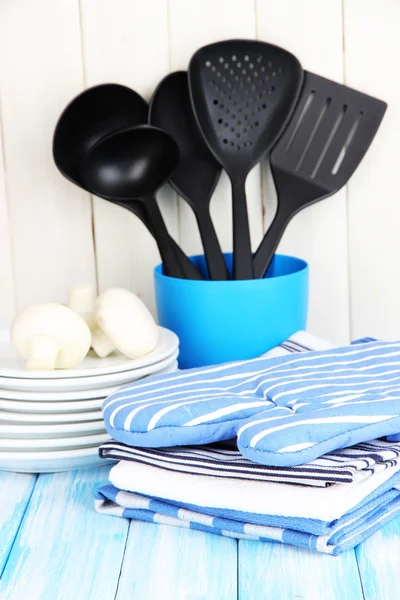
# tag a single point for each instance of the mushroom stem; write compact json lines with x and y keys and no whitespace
{"x":42,"y":353}
{"x":102,"y":344}
{"x":81,"y":300}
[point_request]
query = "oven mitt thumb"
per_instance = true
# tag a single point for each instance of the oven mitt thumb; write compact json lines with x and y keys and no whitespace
{"x":284,"y":410}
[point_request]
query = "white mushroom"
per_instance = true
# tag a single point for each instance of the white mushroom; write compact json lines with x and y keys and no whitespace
{"x":126,"y":321}
{"x":50,"y":336}
{"x":81,"y":299}
{"x":101,"y":343}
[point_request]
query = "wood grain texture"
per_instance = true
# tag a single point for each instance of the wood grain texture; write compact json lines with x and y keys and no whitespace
{"x":374,"y":209}
{"x":40,"y":70}
{"x":16,"y":490}
{"x":313,"y":31}
{"x":193,"y":25}
{"x":268,"y":570}
{"x":379,"y":563}
{"x":126,"y":42}
{"x":63,"y":544}
{"x":163,"y":562}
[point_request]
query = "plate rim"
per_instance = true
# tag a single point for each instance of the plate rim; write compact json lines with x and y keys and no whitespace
{"x":37,"y":384}
{"x":73,"y":373}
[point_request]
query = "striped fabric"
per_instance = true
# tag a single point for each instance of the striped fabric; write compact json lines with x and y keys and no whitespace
{"x":339,"y":535}
{"x":225,"y":461}
{"x":285,"y":410}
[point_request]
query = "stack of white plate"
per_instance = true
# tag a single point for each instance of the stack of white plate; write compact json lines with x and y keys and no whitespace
{"x":52,"y":420}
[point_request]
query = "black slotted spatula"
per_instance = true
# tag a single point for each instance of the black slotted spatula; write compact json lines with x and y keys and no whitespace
{"x":243,"y":93}
{"x":329,"y":133}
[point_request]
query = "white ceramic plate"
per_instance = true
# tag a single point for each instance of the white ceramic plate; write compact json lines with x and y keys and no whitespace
{"x":62,"y":443}
{"x":85,"y":383}
{"x":12,"y":365}
{"x":80,"y":406}
{"x":15,"y":418}
{"x":69,"y":396}
{"x":51,"y":462}
{"x":33,"y":431}
{"x":56,"y":396}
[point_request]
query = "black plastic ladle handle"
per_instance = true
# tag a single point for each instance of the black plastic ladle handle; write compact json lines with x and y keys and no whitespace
{"x":176,"y":265}
{"x":139,"y":210}
{"x":242,"y":255}
{"x":217,"y":269}
{"x":266,"y":250}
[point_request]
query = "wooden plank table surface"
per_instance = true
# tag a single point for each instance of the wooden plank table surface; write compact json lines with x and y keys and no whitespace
{"x":53,"y":545}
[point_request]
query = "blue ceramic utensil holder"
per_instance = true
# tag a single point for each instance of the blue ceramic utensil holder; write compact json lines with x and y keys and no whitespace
{"x":221,"y":321}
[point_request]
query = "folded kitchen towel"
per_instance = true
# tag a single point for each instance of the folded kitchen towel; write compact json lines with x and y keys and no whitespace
{"x":303,"y":508}
{"x":285,"y":410}
{"x":224,"y":460}
{"x":340,"y":534}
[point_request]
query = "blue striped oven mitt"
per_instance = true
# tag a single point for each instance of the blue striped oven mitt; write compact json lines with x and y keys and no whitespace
{"x":284,"y":410}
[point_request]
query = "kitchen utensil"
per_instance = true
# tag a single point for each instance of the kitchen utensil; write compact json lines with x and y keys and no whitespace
{"x":198,"y":172}
{"x":51,"y":461}
{"x":134,"y":164}
{"x":243,"y":93}
{"x":93,"y":382}
{"x":93,"y":114}
{"x":328,"y":135}
{"x":139,"y":210}
{"x":12,"y":365}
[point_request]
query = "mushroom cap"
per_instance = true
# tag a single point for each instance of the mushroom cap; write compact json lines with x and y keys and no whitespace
{"x":59,"y":324}
{"x":125,"y":319}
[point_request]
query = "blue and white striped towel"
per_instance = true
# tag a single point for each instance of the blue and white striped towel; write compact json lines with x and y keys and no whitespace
{"x":284,"y":410}
{"x":335,"y":536}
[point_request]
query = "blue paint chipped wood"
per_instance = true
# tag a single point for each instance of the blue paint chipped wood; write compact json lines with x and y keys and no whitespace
{"x":379,"y":563}
{"x":14,"y":498}
{"x":278,"y":572}
{"x":53,"y":545}
{"x":163,"y":562}
{"x":64,"y":549}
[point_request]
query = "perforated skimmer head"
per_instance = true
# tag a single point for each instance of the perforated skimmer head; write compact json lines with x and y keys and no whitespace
{"x":243,"y":93}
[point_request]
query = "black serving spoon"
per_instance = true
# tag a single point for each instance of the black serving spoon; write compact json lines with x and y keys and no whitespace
{"x":198,"y":171}
{"x":131,"y":165}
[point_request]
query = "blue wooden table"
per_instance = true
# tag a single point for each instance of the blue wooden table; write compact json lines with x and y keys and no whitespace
{"x":53,"y":545}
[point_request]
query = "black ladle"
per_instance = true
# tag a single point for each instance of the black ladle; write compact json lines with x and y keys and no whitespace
{"x":95,"y":113}
{"x":90,"y":116}
{"x":198,"y":171}
{"x":139,"y":210}
{"x":132,"y":165}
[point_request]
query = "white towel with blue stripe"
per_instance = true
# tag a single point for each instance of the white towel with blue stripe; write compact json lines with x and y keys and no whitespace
{"x":285,"y":410}
{"x":329,"y":520}
{"x":223,"y":459}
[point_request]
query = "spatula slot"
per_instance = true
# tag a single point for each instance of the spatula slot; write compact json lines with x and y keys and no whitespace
{"x":301,"y":117}
{"x":329,"y":140}
{"x":347,"y":143}
{"x":313,"y":132}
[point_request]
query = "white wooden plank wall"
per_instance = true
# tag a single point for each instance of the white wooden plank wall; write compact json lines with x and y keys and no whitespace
{"x":53,"y":234}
